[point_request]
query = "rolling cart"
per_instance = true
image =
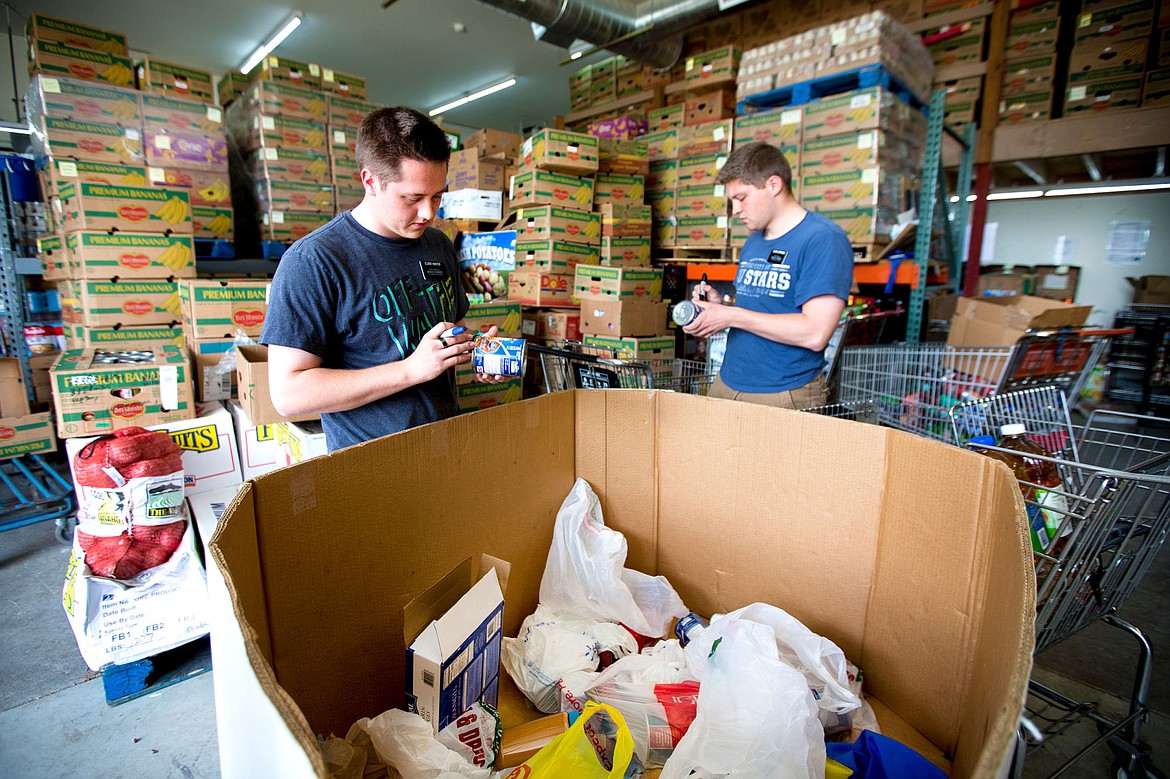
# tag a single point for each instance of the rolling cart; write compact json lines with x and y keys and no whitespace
{"x":572,"y":365}
{"x":33,"y":491}
{"x":1112,"y":515}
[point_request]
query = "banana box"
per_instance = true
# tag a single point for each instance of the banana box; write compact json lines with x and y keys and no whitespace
{"x":133,"y":337}
{"x":81,"y":101}
{"x":708,"y":232}
{"x":596,"y":282}
{"x":625,"y":221}
{"x":663,"y":175}
{"x":557,"y":224}
{"x":713,"y":137}
{"x":221,"y":309}
{"x":665,"y":230}
{"x":97,"y":391}
{"x":49,"y":29}
{"x":346,"y":197}
{"x":288,"y":226}
{"x":662,"y":145}
{"x":504,"y":314}
{"x":92,"y":141}
{"x":342,"y":142}
{"x":863,"y":109}
{"x":775,"y":128}
{"x":615,"y":155}
{"x":213,"y":223}
{"x":477,"y":396}
{"x":94,"y":255}
{"x":344,"y":85}
{"x":662,"y":202}
{"x":166,"y":114}
{"x":137,"y":209}
{"x":54,"y":260}
{"x":280,"y":133}
{"x":701,"y":201}
{"x":344,"y":167}
{"x":555,"y":256}
{"x":286,"y":71}
{"x":619,"y":190}
{"x":542,"y":187}
{"x":625,"y":251}
{"x":231,"y":85}
{"x":561,"y":151}
{"x":700,"y":171}
{"x":666,"y":117}
{"x":289,"y":164}
{"x":206,"y":151}
{"x":712,"y":66}
{"x":122,"y":302}
{"x":654,"y":347}
{"x":59,"y":172}
{"x":274,"y":98}
{"x":53,"y":59}
{"x":852,"y":151}
{"x":863,"y":225}
{"x":347,"y":113}
{"x":167,"y":78}
{"x":850,"y":189}
{"x":1021,"y":77}
{"x":532,"y":287}
{"x":205,"y":187}
{"x":276,"y":195}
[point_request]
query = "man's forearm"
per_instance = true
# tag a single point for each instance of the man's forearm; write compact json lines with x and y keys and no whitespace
{"x":326,"y":390}
{"x":792,"y":329}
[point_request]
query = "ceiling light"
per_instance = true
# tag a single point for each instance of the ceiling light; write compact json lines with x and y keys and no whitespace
{"x":273,"y":41}
{"x":12,"y":128}
{"x":1016,"y":195}
{"x":1106,"y":189}
{"x":511,"y":81}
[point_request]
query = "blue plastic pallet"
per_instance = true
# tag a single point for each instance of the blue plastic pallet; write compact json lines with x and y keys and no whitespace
{"x":214,"y":249}
{"x":272,"y":250}
{"x":838,"y":83}
{"x":128,"y":681}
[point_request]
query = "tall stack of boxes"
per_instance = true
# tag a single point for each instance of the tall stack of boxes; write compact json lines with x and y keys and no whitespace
{"x":477,"y":179}
{"x":662,"y":176}
{"x":1157,"y":87}
{"x":1107,"y":66}
{"x":215,"y":312}
{"x":1030,"y":63}
{"x":345,"y":97}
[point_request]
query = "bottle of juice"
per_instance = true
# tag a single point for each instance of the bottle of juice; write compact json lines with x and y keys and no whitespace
{"x":1047,"y":517}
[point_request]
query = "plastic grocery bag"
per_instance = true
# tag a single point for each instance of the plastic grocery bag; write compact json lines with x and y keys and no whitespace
{"x":553,"y":660}
{"x":597,"y":746}
{"x":756,"y":716}
{"x":586,"y":578}
{"x":406,"y":742}
{"x":874,"y":756}
{"x":820,"y":660}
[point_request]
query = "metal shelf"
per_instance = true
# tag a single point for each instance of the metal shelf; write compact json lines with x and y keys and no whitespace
{"x":27,"y":266}
{"x":236,"y":267}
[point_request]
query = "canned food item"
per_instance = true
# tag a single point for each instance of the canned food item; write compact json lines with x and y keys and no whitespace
{"x":684,"y":312}
{"x":688,"y":627}
{"x":499,"y":356}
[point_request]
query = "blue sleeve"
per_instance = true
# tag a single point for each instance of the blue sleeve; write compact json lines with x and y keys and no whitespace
{"x":301,"y":303}
{"x":826,"y":268}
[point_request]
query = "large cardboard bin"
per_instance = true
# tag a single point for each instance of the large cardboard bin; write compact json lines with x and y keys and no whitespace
{"x":914,"y":558}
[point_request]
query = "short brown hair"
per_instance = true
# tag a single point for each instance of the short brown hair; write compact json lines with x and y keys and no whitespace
{"x":754,"y":164}
{"x":388,"y":136}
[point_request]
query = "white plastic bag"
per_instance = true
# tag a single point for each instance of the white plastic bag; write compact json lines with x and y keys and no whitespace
{"x":406,"y":742}
{"x":820,"y":660}
{"x":549,"y":653}
{"x":756,"y":715}
{"x":585,"y":576}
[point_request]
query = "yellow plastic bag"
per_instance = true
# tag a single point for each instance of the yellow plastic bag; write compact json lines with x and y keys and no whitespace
{"x":583,"y":751}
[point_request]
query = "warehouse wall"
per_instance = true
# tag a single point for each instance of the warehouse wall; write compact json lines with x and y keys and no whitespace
{"x":1028,"y":231}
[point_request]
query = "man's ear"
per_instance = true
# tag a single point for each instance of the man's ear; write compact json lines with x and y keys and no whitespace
{"x":775,"y":185}
{"x":369,"y":182}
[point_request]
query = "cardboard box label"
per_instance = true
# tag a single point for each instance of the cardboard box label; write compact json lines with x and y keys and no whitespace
{"x":52,"y":59}
{"x":115,"y":338}
{"x":49,"y":29}
{"x":220,"y":309}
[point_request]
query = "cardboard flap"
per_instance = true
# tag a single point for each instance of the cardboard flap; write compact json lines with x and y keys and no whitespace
{"x":436,"y":601}
{"x":503,"y":570}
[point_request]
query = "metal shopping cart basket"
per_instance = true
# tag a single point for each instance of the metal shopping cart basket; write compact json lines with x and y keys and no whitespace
{"x":1112,"y":516}
{"x":916,"y":385}
{"x":572,"y":365}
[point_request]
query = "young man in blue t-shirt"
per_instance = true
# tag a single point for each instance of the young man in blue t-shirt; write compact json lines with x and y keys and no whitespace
{"x":358,"y":310}
{"x":794,"y":277}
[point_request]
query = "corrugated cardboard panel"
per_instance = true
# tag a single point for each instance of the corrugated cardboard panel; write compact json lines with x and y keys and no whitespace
{"x":369,"y":528}
{"x":239,"y":546}
{"x":734,"y":471}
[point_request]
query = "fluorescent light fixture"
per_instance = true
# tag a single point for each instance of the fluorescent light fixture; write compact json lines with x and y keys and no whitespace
{"x":12,"y":128}
{"x":273,"y":41}
{"x":1107,"y":189}
{"x":474,"y":96}
{"x":1016,"y":195}
{"x":578,"y":49}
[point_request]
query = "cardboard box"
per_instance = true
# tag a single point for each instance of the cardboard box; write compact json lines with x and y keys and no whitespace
{"x":201,"y":151}
{"x":619,"y":190}
{"x":532,"y":287}
{"x":702,"y":231}
{"x":206,"y":188}
{"x":1057,"y":282}
{"x":344,"y":167}
{"x":347,"y":114}
{"x":489,"y":142}
{"x":53,"y":59}
{"x":60,"y":172}
{"x":256,"y":443}
{"x":665,"y":118}
{"x":1027,"y":107}
{"x":542,"y":187}
{"x":560,"y":150}
{"x":231,"y":85}
{"x":27,"y":434}
{"x":1161,"y":41}
{"x":277,"y":195}
{"x":1107,"y":59}
{"x":299,"y":441}
{"x":843,"y":189}
{"x":485,"y":262}
{"x":626,"y":251}
{"x":665,"y":230}
{"x":865,"y":109}
{"x":713,"y":66}
{"x":662,"y":145}
{"x":345,"y":85}
{"x":1101,"y":95}
{"x":93,"y":398}
{"x":94,"y":255}
{"x":288,"y":101}
{"x":850,"y":152}
{"x":622,"y":319}
{"x":213,"y":223}
{"x":701,"y":201}
{"x":289,"y":226}
{"x":980,"y":621}
{"x":865,"y":225}
{"x":290,"y":165}
{"x":287,"y":71}
{"x":1029,"y":75}
{"x":631,"y":158}
{"x":1151,"y":290}
{"x":554,"y":256}
{"x":477,"y":397}
{"x":252,"y":379}
{"x":221,"y":309}
{"x":175,"y":80}
{"x":1120,"y":19}
{"x":775,"y":128}
{"x":708,"y":106}
{"x":54,"y":260}
{"x":122,"y":302}
{"x":467,"y":170}
{"x":213,"y":376}
{"x":123,"y":338}
{"x":342,"y":142}
{"x":625,"y":126}
{"x":1031,"y":38}
{"x":282,"y":133}
{"x":625,"y":221}
{"x":1157,"y":88}
{"x":81,"y":100}
{"x":1001,"y":321}
{"x":957,"y":44}
{"x":700,"y":171}
{"x":595,"y":282}
{"x":712,"y":137}
{"x":138,"y":209}
{"x":453,"y":636}
{"x":474,"y":204}
{"x":641,"y":348}
{"x":92,"y":141}
{"x":552,"y":325}
{"x":1005,"y":284}
{"x":663,"y":176}
{"x":49,"y":29}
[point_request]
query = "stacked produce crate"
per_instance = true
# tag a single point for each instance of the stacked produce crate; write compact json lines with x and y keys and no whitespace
{"x":215,"y":314}
{"x":662,"y":176}
{"x":1107,"y":66}
{"x":345,"y":97}
{"x":477,"y":179}
{"x":1030,"y":63}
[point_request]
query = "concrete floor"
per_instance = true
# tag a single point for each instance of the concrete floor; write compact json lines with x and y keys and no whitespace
{"x":54,"y":721}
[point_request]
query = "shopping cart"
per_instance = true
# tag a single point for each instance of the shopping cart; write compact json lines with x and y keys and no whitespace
{"x":572,"y":365}
{"x":856,"y":330}
{"x":1112,"y":514}
{"x":916,"y":385}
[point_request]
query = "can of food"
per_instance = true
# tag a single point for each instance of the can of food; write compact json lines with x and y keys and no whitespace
{"x":499,"y":356}
{"x":688,"y":627}
{"x":684,"y":312}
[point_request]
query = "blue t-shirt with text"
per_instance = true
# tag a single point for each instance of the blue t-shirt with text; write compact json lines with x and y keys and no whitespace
{"x":779,"y":276}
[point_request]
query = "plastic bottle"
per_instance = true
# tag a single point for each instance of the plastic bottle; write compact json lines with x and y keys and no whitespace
{"x":1048,"y":516}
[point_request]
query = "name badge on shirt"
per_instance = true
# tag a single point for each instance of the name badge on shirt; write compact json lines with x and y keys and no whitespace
{"x":433,"y":269}
{"x":778,"y":256}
